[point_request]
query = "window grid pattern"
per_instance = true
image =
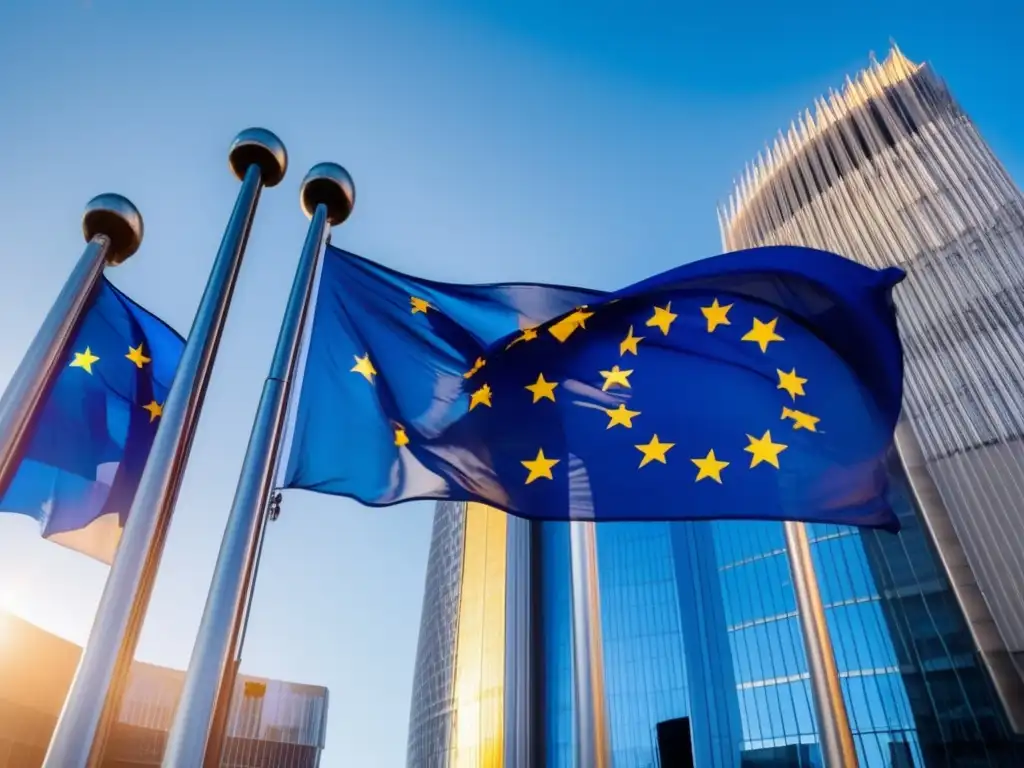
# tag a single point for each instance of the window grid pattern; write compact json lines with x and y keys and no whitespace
{"x":283,"y":728}
{"x":893,"y":172}
{"x":645,"y":678}
{"x":913,"y":688}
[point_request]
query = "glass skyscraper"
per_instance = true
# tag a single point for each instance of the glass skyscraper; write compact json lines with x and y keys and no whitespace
{"x":693,"y":648}
{"x":892,"y":172}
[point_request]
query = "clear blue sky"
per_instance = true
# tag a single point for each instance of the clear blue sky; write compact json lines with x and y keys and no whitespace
{"x":572,"y":142}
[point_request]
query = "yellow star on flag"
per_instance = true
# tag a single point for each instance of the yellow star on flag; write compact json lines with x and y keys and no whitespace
{"x":801,"y":420}
{"x":662,"y":318}
{"x":653,"y":451}
{"x":763,"y":449}
{"x":791,"y":383}
{"x":542,"y":389}
{"x":401,"y":438}
{"x":565,"y":327}
{"x":539,"y":467}
{"x":620,"y":415}
{"x":615,"y":376}
{"x":364,"y":367}
{"x":481,"y":397}
{"x":763,"y":333}
{"x":136,"y":356}
{"x":716,"y":315}
{"x":711,"y":467}
{"x":419,"y":305}
{"x":155,"y":410}
{"x":528,"y":334}
{"x":480,"y":363}
{"x":84,"y":360}
{"x":629,"y":343}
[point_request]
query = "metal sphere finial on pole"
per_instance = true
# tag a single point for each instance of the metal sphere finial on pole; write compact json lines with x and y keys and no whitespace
{"x":330,"y":185}
{"x":262,"y":148}
{"x":115,"y":217}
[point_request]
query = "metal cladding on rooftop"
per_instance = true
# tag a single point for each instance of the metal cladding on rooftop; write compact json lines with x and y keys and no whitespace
{"x":872,"y":88}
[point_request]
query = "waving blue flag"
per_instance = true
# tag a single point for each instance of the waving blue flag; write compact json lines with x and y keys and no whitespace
{"x":761,"y":384}
{"x":91,"y":439}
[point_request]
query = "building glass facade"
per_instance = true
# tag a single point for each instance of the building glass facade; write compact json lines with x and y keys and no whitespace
{"x":270,"y":722}
{"x":644,"y":669}
{"x":892,"y":172}
{"x":698,"y":621}
{"x":433,"y":710}
{"x":555,"y":687}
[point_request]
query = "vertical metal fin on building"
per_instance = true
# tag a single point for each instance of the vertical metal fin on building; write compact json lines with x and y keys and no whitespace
{"x":891,"y":171}
{"x":991,"y":648}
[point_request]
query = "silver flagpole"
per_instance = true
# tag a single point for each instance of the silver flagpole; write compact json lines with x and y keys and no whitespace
{"x":328,"y":195}
{"x":258,"y":159}
{"x":837,"y":748}
{"x":113,"y":232}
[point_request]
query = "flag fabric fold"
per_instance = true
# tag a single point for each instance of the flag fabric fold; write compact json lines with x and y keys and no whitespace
{"x":761,"y":384}
{"x":92,"y":434}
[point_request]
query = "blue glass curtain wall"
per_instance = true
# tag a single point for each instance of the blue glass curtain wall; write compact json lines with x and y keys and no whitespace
{"x":699,"y":621}
{"x":645,"y":677}
{"x":556,"y":640}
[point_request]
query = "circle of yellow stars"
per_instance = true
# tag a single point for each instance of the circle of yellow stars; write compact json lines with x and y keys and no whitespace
{"x":86,"y":360}
{"x":762,"y":450}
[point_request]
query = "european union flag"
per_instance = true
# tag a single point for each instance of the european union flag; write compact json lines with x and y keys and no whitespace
{"x":92,"y":435}
{"x":761,"y":384}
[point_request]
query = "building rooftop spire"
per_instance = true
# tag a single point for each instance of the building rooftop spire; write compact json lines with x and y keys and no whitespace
{"x":870,"y":83}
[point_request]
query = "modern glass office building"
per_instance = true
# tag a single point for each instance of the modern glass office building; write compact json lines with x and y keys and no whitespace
{"x":698,"y":621}
{"x":892,"y":172}
{"x":271,"y":724}
{"x":665,"y":643}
